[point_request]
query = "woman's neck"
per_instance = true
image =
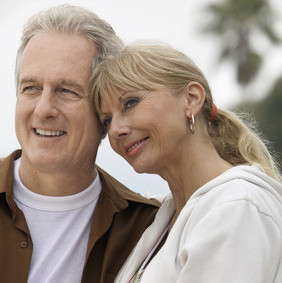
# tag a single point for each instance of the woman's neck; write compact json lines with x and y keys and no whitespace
{"x":196,"y":167}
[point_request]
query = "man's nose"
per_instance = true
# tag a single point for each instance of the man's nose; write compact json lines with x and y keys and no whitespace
{"x":47,"y":104}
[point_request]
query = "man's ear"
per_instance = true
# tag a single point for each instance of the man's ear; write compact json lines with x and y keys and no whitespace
{"x":194,"y":98}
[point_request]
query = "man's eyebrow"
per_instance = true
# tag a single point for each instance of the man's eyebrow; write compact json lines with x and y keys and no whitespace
{"x":68,"y":83}
{"x":28,"y":80}
{"x":72,"y":84}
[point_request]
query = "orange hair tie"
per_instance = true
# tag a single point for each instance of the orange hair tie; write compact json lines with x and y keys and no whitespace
{"x":214,"y":110}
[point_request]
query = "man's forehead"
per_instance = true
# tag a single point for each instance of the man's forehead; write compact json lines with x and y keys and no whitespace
{"x":48,"y":37}
{"x":58,"y":58}
{"x":60,"y":45}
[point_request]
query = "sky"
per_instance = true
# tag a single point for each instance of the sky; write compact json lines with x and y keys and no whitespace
{"x":177,"y":23}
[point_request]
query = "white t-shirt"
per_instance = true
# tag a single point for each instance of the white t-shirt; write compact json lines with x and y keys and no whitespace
{"x":229,"y":231}
{"x":59,"y":228}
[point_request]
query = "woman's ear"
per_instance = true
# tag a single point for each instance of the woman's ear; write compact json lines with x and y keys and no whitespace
{"x":194,"y":98}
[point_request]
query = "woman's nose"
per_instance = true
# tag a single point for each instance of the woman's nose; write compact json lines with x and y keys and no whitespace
{"x":119,"y":128}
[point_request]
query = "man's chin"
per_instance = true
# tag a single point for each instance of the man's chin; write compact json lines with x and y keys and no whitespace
{"x":43,"y":162}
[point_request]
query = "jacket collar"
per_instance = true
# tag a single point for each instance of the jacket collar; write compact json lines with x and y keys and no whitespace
{"x":120,"y":194}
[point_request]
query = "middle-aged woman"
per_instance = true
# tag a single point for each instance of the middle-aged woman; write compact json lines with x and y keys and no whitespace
{"x":222,"y":221}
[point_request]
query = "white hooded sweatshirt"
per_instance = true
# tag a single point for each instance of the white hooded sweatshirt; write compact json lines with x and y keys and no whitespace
{"x":230,"y":230}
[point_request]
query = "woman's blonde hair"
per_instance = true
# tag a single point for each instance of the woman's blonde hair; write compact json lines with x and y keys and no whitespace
{"x":147,"y":66}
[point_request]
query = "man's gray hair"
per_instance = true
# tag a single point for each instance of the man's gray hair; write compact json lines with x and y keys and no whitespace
{"x":71,"y":20}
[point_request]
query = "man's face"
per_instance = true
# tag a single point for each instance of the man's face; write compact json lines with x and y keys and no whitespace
{"x":55,"y":123}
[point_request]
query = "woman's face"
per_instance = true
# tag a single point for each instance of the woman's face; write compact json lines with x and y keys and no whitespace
{"x":147,"y":128}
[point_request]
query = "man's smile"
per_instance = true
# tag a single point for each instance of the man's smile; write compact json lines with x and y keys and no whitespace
{"x":44,"y":133}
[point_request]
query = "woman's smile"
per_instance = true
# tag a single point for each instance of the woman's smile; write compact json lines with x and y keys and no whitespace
{"x":135,"y":147}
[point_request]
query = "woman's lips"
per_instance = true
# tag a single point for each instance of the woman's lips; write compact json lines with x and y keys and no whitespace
{"x":133,"y":147}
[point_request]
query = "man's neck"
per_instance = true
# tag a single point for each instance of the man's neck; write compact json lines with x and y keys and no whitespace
{"x":55,"y":183}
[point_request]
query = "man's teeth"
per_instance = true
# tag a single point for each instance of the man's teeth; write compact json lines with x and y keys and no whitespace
{"x":132,"y":147}
{"x":49,"y":133}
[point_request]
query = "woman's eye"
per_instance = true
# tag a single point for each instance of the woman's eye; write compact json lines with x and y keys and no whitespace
{"x":106,"y":122}
{"x":130,"y":102}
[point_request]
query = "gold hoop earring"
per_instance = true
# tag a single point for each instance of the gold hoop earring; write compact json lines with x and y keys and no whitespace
{"x":192,"y":124}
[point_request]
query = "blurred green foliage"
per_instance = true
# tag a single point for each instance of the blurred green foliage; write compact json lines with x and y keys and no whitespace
{"x":235,"y":23}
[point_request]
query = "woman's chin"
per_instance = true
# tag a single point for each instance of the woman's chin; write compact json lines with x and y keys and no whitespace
{"x":143,"y":168}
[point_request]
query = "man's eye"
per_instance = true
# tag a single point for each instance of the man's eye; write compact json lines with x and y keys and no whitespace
{"x":130,"y":102}
{"x":30,"y":90}
{"x":106,"y":122}
{"x":65,"y":90}
{"x":27,"y":88}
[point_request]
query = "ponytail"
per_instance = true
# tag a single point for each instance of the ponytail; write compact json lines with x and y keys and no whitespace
{"x":238,"y":143}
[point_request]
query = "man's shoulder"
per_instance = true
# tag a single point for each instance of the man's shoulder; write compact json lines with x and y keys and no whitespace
{"x":6,"y":162}
{"x":7,"y":169}
{"x":116,"y":190}
{"x":12,"y":156}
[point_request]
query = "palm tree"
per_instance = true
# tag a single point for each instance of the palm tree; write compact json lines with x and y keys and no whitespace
{"x":235,"y":22}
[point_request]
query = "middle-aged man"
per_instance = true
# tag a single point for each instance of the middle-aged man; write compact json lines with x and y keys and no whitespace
{"x":61,"y":219}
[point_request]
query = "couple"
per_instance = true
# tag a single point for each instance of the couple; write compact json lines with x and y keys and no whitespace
{"x":64,"y":220}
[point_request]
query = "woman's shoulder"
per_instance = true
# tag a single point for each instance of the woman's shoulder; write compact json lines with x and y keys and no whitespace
{"x":242,"y":185}
{"x":247,"y":182}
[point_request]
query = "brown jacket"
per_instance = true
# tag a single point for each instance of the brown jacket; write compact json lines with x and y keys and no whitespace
{"x":119,"y":219}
